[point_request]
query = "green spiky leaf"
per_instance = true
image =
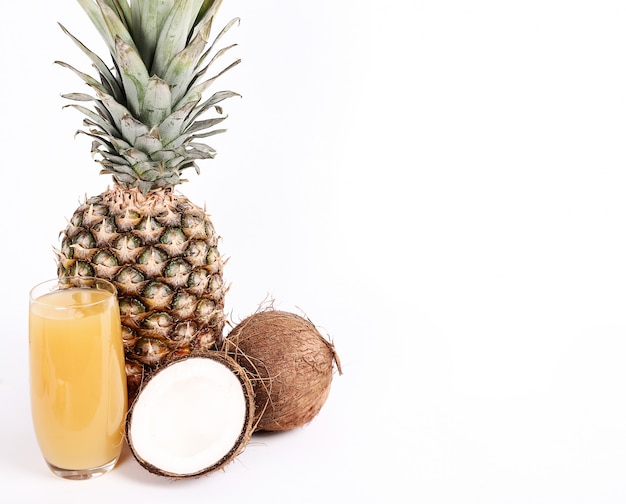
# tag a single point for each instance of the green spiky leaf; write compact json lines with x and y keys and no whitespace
{"x":134,"y":75}
{"x":172,"y":126}
{"x":146,"y":120}
{"x":157,"y":101}
{"x":174,"y":35}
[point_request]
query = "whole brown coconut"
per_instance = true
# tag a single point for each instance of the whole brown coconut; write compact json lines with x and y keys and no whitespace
{"x":291,"y":365}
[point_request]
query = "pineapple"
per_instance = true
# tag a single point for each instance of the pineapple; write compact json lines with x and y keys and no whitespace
{"x":157,"y":247}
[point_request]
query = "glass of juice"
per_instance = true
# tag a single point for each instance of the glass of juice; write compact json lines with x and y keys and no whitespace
{"x":77,"y":375}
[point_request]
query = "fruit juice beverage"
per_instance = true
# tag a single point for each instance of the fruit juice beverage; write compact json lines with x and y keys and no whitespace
{"x":77,"y":380}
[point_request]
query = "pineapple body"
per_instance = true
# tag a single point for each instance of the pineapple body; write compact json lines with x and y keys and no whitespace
{"x":161,"y":252}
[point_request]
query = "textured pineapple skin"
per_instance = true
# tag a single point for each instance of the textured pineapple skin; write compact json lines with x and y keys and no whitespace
{"x":160,"y":251}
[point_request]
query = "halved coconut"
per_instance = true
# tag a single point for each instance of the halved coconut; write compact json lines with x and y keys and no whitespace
{"x":192,"y":416}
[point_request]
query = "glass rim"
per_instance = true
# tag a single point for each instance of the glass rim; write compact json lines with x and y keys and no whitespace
{"x":77,"y":282}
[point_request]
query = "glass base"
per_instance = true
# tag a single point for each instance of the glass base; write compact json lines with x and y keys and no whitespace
{"x":83,"y":474}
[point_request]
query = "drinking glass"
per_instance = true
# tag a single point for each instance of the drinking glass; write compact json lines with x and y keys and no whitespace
{"x":77,"y":375}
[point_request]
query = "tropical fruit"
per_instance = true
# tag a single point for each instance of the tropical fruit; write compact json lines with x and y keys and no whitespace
{"x":147,"y":119}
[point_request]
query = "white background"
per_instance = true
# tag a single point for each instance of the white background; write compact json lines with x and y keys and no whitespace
{"x":438,"y":184}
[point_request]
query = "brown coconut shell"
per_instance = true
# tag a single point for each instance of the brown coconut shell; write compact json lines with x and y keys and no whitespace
{"x":247,"y":428}
{"x":291,"y":365}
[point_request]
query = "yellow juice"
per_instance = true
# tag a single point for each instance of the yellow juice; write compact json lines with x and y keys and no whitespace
{"x":77,"y":377}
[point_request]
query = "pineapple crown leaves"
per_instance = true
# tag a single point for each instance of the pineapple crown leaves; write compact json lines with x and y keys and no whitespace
{"x":146,"y":119}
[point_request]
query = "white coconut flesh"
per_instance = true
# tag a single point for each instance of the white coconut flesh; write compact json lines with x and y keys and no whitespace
{"x":189,"y":417}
